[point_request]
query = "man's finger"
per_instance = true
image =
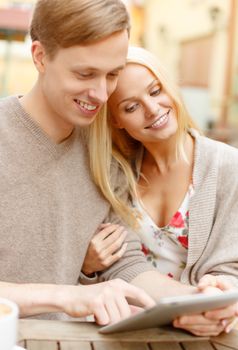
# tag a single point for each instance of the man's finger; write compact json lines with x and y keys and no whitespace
{"x":138,"y":297}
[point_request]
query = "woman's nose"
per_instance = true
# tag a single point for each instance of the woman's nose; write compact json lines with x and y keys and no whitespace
{"x":151,"y":108}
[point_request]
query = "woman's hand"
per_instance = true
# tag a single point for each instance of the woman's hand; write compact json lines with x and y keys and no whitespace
{"x":228,"y":315}
{"x":105,"y":248}
{"x":210,"y":323}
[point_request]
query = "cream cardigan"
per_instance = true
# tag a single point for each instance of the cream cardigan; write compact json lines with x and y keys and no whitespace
{"x":213,"y":212}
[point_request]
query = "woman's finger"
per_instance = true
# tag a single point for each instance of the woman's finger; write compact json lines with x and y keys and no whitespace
{"x":115,"y":257}
{"x":227,"y":312}
{"x":202,"y":328}
{"x":104,"y":233}
{"x":114,"y":245}
{"x":114,"y":236}
{"x":231,"y":325}
{"x":197,"y":319}
{"x":207,"y":280}
{"x":211,"y":331}
{"x":214,"y":281}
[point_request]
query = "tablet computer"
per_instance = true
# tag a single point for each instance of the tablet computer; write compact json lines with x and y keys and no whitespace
{"x":167,"y":309}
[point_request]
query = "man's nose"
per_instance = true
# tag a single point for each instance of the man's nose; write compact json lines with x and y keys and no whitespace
{"x":99,"y":92}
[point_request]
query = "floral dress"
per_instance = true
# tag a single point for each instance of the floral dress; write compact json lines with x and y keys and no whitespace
{"x":166,"y":247}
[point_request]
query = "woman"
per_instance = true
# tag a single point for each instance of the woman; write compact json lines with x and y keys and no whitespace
{"x":183,"y":187}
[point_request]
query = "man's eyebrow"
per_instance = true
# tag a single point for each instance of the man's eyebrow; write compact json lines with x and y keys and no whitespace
{"x":95,"y":69}
{"x":118,"y":68}
{"x":133,"y":97}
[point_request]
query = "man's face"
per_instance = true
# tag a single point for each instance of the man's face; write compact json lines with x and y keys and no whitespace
{"x":78,"y":80}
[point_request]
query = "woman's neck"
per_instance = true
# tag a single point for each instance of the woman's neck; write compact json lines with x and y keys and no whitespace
{"x":163,"y":155}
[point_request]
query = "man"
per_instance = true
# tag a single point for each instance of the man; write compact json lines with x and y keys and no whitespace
{"x":50,"y":207}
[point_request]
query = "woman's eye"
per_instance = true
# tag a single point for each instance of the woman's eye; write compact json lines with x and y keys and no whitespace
{"x":132,"y":108}
{"x":155,"y":92}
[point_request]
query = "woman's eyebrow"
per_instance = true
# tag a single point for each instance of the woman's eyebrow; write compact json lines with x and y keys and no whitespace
{"x":133,"y":97}
{"x":152,"y":83}
{"x":126,"y":99}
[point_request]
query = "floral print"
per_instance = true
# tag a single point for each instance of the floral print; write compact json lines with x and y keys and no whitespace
{"x":166,"y":247}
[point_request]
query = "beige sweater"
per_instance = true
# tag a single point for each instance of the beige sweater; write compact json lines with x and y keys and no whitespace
{"x":49,"y":207}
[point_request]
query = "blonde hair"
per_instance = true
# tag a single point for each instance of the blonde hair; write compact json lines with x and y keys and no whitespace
{"x":107,"y":143}
{"x":65,"y":23}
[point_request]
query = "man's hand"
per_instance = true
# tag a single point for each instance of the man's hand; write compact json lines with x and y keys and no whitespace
{"x":106,"y":301}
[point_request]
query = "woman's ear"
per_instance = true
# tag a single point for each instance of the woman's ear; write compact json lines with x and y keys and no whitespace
{"x":38,"y":55}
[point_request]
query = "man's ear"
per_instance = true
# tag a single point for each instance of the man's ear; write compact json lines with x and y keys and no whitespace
{"x":38,"y":55}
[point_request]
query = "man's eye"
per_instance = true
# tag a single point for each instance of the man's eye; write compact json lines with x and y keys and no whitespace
{"x":83,"y":75}
{"x":114,"y":74}
{"x":132,"y":108}
{"x":155,"y":92}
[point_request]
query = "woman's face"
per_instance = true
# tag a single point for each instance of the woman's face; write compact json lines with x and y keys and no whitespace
{"x":142,"y":107}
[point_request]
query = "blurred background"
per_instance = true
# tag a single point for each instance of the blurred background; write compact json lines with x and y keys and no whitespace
{"x":196,"y":40}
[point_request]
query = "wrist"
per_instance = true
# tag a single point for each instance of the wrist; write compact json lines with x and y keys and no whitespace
{"x":87,"y":271}
{"x":34,"y":299}
{"x":89,"y":275}
{"x":63,"y":297}
{"x":88,"y":279}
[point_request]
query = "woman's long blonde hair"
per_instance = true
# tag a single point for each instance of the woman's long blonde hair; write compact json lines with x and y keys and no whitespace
{"x":109,"y":145}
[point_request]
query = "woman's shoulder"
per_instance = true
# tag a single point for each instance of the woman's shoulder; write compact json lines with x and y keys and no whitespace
{"x":215,"y":160}
{"x":215,"y":150}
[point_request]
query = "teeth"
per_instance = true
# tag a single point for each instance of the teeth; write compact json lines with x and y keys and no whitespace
{"x":86,"y":106}
{"x":159,"y":122}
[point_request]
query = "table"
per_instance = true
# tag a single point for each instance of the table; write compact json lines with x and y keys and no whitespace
{"x":59,"y":335}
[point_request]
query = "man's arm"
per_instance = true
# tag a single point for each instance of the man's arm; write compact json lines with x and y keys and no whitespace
{"x":32,"y":299}
{"x":106,"y":301}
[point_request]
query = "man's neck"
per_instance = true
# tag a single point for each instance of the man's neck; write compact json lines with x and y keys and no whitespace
{"x":35,"y":104}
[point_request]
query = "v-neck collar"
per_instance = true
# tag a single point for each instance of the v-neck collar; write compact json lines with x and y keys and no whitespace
{"x":33,"y":127}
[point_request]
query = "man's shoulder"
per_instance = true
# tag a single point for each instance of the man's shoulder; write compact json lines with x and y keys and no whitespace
{"x":7,"y":104}
{"x":6,"y":100}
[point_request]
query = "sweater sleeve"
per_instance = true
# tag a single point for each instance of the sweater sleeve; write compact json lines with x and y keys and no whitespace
{"x":133,"y":261}
{"x":220,"y":255}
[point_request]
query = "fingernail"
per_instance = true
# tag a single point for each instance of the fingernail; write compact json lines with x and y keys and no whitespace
{"x":224,"y":323}
{"x":228,"y":329}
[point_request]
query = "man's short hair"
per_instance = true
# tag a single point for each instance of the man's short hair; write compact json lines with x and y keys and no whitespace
{"x":65,"y":23}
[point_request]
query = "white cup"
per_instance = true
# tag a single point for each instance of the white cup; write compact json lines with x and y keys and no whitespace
{"x":8,"y":324}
